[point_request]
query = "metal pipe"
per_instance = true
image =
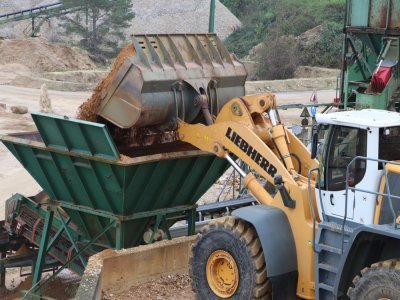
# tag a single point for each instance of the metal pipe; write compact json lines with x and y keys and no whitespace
{"x":272,"y":117}
{"x":211,"y":23}
{"x":235,"y":166}
{"x":202,"y":99}
{"x":353,"y":48}
{"x":312,"y":206}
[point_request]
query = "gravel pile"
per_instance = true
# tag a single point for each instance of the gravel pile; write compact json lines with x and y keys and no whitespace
{"x":181,"y":16}
{"x":152,"y":16}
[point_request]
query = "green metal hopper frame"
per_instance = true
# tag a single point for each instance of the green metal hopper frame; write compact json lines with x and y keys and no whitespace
{"x":111,"y":199}
{"x":371,"y":28}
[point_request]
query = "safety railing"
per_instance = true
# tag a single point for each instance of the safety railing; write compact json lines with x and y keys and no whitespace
{"x":388,"y":194}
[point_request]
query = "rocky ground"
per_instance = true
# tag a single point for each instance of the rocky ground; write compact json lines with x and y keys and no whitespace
{"x":171,"y":287}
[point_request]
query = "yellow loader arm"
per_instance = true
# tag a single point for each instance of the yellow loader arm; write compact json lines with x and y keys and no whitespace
{"x":250,"y":128}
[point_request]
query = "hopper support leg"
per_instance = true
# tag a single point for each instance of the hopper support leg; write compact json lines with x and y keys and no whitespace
{"x":56,"y":236}
{"x":37,"y":273}
{"x":164,"y":225}
{"x":161,"y":220}
{"x":191,"y":219}
{"x":65,"y":227}
{"x":2,"y":272}
{"x":118,"y":236}
{"x":35,"y":289}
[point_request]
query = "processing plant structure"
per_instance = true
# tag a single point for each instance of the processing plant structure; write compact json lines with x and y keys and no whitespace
{"x":370,"y":72}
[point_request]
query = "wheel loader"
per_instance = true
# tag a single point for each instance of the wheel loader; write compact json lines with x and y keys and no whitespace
{"x":327,"y":230}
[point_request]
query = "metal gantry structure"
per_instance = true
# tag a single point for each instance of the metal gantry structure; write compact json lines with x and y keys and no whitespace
{"x":211,"y":25}
{"x":43,"y":13}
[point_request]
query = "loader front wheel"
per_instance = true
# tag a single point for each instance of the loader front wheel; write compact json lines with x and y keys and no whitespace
{"x":380,"y":281}
{"x":227,"y":262}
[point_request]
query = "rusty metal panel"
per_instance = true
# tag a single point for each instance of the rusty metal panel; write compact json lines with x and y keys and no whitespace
{"x":161,"y":82}
{"x":374,"y":14}
{"x":378,"y":13}
{"x":395,"y":15}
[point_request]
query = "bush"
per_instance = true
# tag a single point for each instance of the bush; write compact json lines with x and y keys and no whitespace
{"x":325,"y":52}
{"x":266,"y":20}
{"x":278,"y":58}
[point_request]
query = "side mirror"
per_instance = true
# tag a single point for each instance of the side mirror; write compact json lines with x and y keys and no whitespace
{"x":314,"y":143}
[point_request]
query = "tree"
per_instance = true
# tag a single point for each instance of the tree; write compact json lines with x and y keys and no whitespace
{"x":99,"y":23}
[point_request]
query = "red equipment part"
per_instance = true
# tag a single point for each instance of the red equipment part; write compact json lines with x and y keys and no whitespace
{"x":380,"y":78}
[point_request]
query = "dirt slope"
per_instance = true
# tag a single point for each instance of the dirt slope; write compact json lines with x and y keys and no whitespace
{"x":39,"y":55}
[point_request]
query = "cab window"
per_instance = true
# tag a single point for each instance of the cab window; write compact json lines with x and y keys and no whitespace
{"x":389,"y":143}
{"x":345,"y":144}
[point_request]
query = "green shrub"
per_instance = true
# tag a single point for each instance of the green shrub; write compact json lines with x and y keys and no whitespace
{"x":327,"y":51}
{"x":269,"y":20}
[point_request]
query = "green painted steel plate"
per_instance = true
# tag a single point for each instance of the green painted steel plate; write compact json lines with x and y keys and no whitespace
{"x":359,"y":13}
{"x":69,"y":165}
{"x":88,"y":138}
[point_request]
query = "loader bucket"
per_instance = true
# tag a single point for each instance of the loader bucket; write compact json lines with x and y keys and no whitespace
{"x":115,"y":272}
{"x":160,"y":80}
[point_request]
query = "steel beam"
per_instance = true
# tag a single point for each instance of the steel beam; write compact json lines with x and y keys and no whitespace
{"x":37,"y":274}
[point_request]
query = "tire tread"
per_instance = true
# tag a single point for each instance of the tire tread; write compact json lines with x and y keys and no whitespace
{"x":245,"y":232}
{"x":366,"y":275}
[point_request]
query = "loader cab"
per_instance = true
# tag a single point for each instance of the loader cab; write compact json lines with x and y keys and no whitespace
{"x":367,"y":133}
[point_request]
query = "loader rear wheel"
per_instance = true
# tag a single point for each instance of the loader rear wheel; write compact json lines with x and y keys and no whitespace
{"x":380,"y":281}
{"x":227,"y":262}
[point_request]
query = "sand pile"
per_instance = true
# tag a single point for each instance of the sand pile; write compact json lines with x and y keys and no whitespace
{"x":310,"y":36}
{"x":9,"y":72}
{"x":40,"y":55}
{"x":88,"y":110}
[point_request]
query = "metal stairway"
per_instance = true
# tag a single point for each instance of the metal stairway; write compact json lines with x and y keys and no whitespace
{"x":328,"y":245}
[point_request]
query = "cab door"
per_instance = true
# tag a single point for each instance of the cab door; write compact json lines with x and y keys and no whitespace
{"x":344,"y":143}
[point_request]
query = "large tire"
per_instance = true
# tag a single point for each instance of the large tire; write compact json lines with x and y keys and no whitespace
{"x":380,"y":281}
{"x":239,"y":241}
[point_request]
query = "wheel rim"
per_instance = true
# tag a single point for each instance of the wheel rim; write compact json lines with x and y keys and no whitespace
{"x":222,"y":274}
